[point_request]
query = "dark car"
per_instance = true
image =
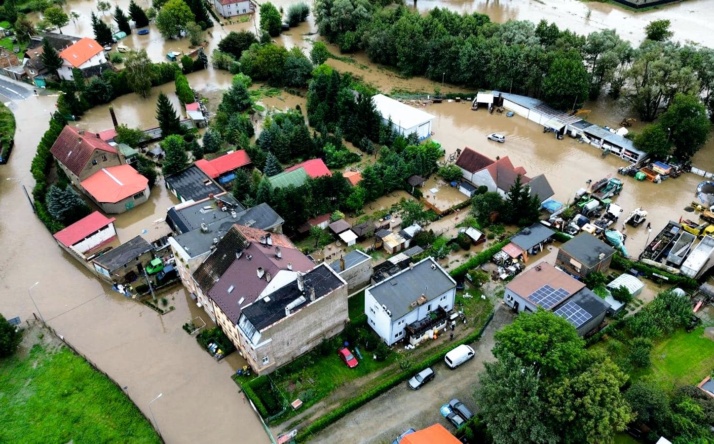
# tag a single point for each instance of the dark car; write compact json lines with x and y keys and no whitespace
{"x":451,"y":416}
{"x":401,"y":437}
{"x":347,"y":357}
{"x":459,"y":407}
{"x":421,"y":378}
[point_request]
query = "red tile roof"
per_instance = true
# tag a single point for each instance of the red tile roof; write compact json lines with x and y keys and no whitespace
{"x":82,"y":228}
{"x":224,"y":164}
{"x":317,"y":220}
{"x":193,"y":106}
{"x":314,"y":168}
{"x":472,"y":161}
{"x":504,"y":173}
{"x":81,"y":51}
{"x":435,"y":434}
{"x":353,"y":177}
{"x":74,"y":150}
{"x":108,"y":135}
{"x":115,"y":183}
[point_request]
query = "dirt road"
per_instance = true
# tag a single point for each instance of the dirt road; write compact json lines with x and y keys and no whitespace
{"x":383,"y":419}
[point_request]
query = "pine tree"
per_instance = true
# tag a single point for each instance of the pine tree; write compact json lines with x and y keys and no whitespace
{"x":242,"y":186}
{"x":102,"y":33}
{"x":50,"y":57}
{"x":196,"y":149}
{"x":272,"y":166}
{"x":138,"y":15}
{"x":122,"y":21}
{"x":199,"y":11}
{"x":166,"y":115}
{"x":264,"y":194}
{"x":236,"y":99}
{"x":175,"y":159}
{"x":65,"y":205}
{"x":212,"y":141}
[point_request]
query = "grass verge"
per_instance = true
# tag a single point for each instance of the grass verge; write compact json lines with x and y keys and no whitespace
{"x":56,"y":396}
{"x":7,"y":132}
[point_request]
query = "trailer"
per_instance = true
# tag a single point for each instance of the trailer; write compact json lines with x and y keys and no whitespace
{"x":699,"y":260}
{"x":660,"y":246}
{"x":681,"y":248}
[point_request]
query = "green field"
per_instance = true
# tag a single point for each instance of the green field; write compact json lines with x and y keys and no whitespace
{"x":683,"y":358}
{"x":57,"y":397}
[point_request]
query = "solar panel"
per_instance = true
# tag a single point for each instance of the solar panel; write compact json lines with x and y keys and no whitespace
{"x":574,"y":314}
{"x":547,"y":296}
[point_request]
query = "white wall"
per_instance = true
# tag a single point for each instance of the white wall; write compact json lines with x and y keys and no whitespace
{"x":65,"y":71}
{"x":94,"y":240}
{"x":483,"y":178}
{"x":510,"y":298}
{"x":232,"y":9}
{"x":377,"y":317}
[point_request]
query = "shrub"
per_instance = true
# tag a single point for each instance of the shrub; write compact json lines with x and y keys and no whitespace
{"x":116,"y":57}
{"x":10,"y":338}
{"x":622,"y":294}
{"x":381,"y":352}
{"x":464,"y":241}
{"x":479,"y":259}
{"x":639,"y":355}
{"x":297,"y":13}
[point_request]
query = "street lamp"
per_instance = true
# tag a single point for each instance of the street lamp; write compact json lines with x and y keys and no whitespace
{"x":29,"y":292}
{"x":158,"y":429}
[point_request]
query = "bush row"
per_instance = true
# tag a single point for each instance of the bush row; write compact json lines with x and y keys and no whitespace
{"x":40,"y":169}
{"x":247,"y":388}
{"x":479,"y":259}
{"x":624,"y":264}
{"x":324,"y":421}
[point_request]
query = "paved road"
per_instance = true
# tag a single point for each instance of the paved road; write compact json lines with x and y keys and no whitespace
{"x":383,"y":419}
{"x":10,"y":90}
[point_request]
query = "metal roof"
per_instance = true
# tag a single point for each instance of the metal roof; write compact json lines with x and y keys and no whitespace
{"x":531,"y":236}
{"x":402,"y":115}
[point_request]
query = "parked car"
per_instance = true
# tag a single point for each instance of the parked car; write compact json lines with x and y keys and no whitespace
{"x":459,"y":355}
{"x":143,"y":32}
{"x":500,"y":138}
{"x":122,"y":48}
{"x":421,"y":378}
{"x":107,"y":48}
{"x":459,"y":407}
{"x":401,"y":437}
{"x":451,"y":416}
{"x":347,"y":357}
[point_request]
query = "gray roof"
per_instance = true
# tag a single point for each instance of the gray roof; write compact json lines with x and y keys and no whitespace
{"x":413,"y":251}
{"x":531,"y":236}
{"x":540,"y":186}
{"x":207,"y":211}
{"x":588,"y":302}
{"x":581,"y":124}
{"x":193,"y":184}
{"x":123,"y":254}
{"x":352,"y":258}
{"x":611,"y":138}
{"x":398,"y":292}
{"x":586,"y":249}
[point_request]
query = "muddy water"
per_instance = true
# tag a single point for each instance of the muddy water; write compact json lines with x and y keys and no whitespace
{"x":146,"y":353}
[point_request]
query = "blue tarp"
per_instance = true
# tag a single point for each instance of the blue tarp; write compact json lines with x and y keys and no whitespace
{"x":228,"y":178}
{"x":551,"y":205}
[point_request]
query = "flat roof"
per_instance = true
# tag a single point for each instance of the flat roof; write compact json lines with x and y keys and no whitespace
{"x":586,"y":248}
{"x":123,"y":254}
{"x":189,"y":216}
{"x":354,"y":257}
{"x":193,"y":184}
{"x":611,"y":138}
{"x":82,"y":229}
{"x":399,"y":291}
{"x":402,"y":115}
{"x":348,"y":236}
{"x":531,"y":236}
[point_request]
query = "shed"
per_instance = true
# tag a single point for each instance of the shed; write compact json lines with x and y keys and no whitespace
{"x":339,"y":226}
{"x":348,"y":237}
{"x":615,"y":305}
{"x":416,"y":181}
{"x":531,"y":239}
{"x":633,"y":285}
{"x":584,"y":254}
{"x":476,"y":236}
{"x":364,"y":230}
{"x":406,"y":120}
{"x":466,"y":188}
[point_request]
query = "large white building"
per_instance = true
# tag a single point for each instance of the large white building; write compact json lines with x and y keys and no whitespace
{"x":406,"y":119}
{"x":413,"y":304}
{"x":230,"y":8}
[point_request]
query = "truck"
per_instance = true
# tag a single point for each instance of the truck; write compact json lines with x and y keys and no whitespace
{"x":611,"y":188}
{"x":681,"y":248}
{"x":636,"y":218}
{"x":699,"y":260}
{"x":590,"y":208}
{"x":696,"y":229}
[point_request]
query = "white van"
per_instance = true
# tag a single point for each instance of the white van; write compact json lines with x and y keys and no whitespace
{"x":459,"y":355}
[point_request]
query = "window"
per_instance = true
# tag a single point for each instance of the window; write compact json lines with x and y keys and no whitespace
{"x":104,"y":158}
{"x":266,"y":360}
{"x":428,"y":307}
{"x":94,"y":161}
{"x":139,"y":195}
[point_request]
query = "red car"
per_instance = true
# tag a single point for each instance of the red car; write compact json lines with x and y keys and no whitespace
{"x":347,"y":357}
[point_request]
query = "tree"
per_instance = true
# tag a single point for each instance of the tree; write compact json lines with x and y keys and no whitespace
{"x":567,"y":84}
{"x":183,"y":89}
{"x":450,"y":173}
{"x":658,"y":30}
{"x":297,"y":14}
{"x":297,"y":70}
{"x":198,"y":8}
{"x":122,"y":21}
{"x":236,"y":99}
{"x":622,"y":294}
{"x":356,"y":200}
{"x":319,"y":53}
{"x":169,"y":121}
{"x":264,"y":62}
{"x":237,"y":42}
{"x":138,"y":15}
{"x":10,"y":338}
{"x":129,"y":136}
{"x":654,"y":140}
{"x":545,"y":340}
{"x":173,"y":18}
{"x":264,"y":193}
{"x":98,"y":91}
{"x":272,"y":166}
{"x":648,"y":402}
{"x":511,"y":405}
{"x":57,"y":17}
{"x":212,"y":141}
{"x":50,"y":57}
{"x":522,"y":208}
{"x":74,"y":16}
{"x":102,"y":33}
{"x":270,"y":19}
{"x":413,"y":212}
{"x":486,"y":207}
{"x":195,"y":33}
{"x":146,"y":168}
{"x":24,"y":29}
{"x":138,"y":72}
{"x":605,"y":54}
{"x":66,"y":205}
{"x":687,"y":125}
{"x":103,"y":6}
{"x":242,"y":186}
{"x":176,"y":159}
{"x":9,"y":11}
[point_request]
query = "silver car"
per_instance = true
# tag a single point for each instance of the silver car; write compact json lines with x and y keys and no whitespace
{"x":500,"y":138}
{"x":421,"y":378}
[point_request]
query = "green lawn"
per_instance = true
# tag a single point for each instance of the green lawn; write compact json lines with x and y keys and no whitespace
{"x":624,"y":438}
{"x":56,"y":397}
{"x":683,"y":358}
{"x":356,"y":305}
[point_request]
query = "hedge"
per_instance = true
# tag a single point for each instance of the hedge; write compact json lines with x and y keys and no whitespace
{"x":479,"y":259}
{"x":621,"y":263}
{"x":40,"y":169}
{"x":353,"y":404}
{"x":250,"y":393}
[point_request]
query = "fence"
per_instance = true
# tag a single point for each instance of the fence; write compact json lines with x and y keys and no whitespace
{"x":94,"y":366}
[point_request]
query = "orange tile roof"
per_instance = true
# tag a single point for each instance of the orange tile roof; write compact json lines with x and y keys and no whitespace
{"x":115,"y":183}
{"x":354,"y":177}
{"x":435,"y":434}
{"x":80,"y":52}
{"x":543,"y":274}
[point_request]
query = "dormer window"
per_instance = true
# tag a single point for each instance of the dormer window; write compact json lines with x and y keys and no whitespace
{"x":94,"y":161}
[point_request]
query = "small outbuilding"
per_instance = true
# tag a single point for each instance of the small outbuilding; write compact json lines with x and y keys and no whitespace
{"x":584,"y":310}
{"x":125,"y":263}
{"x":348,"y":237}
{"x":339,"y":226}
{"x":633,"y":285}
{"x":87,"y":236}
{"x":529,"y":240}
{"x":583,"y":255}
{"x":406,"y":120}
{"x":355,"y":268}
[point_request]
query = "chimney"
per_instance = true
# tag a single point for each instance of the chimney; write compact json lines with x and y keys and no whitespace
{"x":239,"y":253}
{"x":290,"y":266}
{"x":312,"y":294}
{"x":268,"y":239}
{"x":342,"y":263}
{"x":81,"y":132}
{"x":278,"y":253}
{"x":260,"y":272}
{"x":97,"y":134}
{"x":301,"y":281}
{"x":268,"y":276}
{"x":115,"y":122}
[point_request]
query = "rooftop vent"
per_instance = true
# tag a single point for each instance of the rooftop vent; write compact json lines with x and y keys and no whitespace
{"x":240,"y":301}
{"x":266,"y":299}
{"x":268,"y":276}
{"x":233,"y":214}
{"x":215,"y":241}
{"x":278,"y":253}
{"x":421,"y":300}
{"x":260,"y":272}
{"x":249,"y":257}
{"x":230,"y":289}
{"x":204,"y":227}
{"x":433,"y":266}
{"x":239,"y":253}
{"x":526,"y":231}
{"x":601,"y":256}
{"x":290,"y":266}
{"x":538,"y":268}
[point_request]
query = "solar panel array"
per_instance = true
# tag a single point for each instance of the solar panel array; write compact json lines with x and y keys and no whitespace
{"x":574,"y":314}
{"x":547,"y":296}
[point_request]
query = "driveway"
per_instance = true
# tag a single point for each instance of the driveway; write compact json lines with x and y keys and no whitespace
{"x":383,"y":419}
